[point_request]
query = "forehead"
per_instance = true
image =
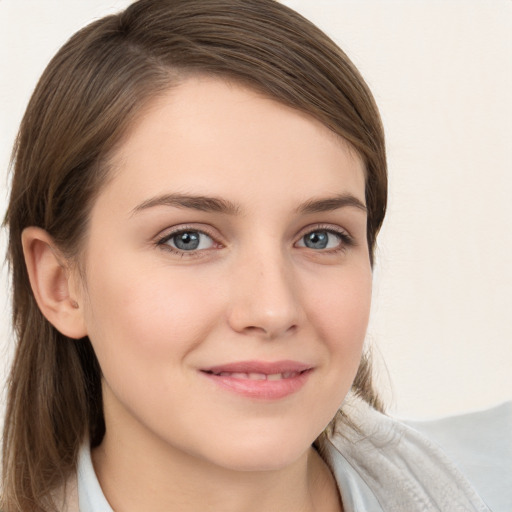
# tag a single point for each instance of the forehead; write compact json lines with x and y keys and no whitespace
{"x":213,"y":137}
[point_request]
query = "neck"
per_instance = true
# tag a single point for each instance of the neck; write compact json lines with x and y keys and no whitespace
{"x":137,"y":477}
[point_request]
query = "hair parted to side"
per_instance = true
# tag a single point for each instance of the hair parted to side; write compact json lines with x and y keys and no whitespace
{"x":85,"y":101}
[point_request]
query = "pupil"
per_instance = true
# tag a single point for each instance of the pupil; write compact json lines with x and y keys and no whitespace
{"x":317,"y":240}
{"x":187,"y":241}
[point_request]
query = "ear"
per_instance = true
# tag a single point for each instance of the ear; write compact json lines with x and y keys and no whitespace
{"x":53,"y":284}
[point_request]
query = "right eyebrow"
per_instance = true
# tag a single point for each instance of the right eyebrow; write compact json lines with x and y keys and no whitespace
{"x":194,"y":202}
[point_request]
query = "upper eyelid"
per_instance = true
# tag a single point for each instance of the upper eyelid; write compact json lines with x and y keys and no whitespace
{"x":208,"y":231}
{"x":168,"y":233}
{"x":332,"y":228}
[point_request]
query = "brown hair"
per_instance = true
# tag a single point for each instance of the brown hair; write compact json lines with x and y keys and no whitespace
{"x":86,"y":99}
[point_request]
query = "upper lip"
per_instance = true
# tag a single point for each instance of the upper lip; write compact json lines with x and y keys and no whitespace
{"x":264,"y":367}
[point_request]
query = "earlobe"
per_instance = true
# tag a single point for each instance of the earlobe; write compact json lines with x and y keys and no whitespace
{"x":52,"y":283}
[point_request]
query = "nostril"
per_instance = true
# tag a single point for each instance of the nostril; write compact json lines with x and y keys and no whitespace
{"x":270,"y":331}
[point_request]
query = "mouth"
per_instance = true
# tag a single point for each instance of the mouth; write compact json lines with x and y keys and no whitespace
{"x":260,"y":380}
{"x":258,"y":376}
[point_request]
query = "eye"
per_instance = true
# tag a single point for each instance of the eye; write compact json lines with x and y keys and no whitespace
{"x":187,"y":240}
{"x":323,"y":239}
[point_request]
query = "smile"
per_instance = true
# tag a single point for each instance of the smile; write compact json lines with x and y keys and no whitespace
{"x":260,"y":376}
{"x":260,"y":380}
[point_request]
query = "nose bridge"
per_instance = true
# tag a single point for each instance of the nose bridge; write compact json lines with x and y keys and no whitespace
{"x":264,"y":298}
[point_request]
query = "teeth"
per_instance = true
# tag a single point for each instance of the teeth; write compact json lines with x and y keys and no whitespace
{"x":259,"y":376}
{"x":239,"y":375}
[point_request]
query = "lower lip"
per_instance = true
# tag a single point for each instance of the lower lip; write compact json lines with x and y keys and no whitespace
{"x":261,"y":389}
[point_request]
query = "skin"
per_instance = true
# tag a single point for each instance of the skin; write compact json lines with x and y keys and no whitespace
{"x":254,"y":290}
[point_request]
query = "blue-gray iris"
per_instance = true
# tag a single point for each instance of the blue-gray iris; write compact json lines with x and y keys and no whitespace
{"x":316,"y":240}
{"x":187,"y":241}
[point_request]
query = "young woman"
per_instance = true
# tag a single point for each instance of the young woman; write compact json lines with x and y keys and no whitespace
{"x":197,"y":190}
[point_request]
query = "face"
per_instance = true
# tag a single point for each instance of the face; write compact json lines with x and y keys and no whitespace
{"x":228,"y":282}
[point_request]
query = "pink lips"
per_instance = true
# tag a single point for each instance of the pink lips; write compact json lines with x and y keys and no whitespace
{"x":259,"y":379}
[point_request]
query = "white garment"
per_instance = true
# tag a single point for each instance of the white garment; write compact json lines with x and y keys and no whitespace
{"x":463,"y":463}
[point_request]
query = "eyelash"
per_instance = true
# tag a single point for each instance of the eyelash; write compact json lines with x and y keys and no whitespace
{"x":162,"y":242}
{"x":346,"y":240}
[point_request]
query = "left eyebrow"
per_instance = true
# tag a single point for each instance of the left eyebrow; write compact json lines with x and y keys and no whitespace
{"x":329,"y":204}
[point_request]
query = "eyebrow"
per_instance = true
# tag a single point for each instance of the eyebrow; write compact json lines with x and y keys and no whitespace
{"x":202,"y":203}
{"x":329,"y":204}
{"x":218,"y":205}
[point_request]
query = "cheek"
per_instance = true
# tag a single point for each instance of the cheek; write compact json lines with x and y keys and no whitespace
{"x":341,"y":314}
{"x":342,"y":308}
{"x":154,"y":315}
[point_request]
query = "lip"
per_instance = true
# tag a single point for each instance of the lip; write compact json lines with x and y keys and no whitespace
{"x":230,"y":376}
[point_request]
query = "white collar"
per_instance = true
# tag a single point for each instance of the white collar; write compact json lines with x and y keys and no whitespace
{"x":90,"y":495}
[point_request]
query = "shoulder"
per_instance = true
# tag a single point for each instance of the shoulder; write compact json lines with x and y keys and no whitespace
{"x":480,"y":445}
{"x":449,"y":464}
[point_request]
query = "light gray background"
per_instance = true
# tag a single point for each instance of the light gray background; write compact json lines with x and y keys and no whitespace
{"x":442,"y":75}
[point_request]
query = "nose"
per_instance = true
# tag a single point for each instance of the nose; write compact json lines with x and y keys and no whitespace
{"x":264,"y":298}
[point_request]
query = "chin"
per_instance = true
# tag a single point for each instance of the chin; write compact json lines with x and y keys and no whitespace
{"x":259,"y":453}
